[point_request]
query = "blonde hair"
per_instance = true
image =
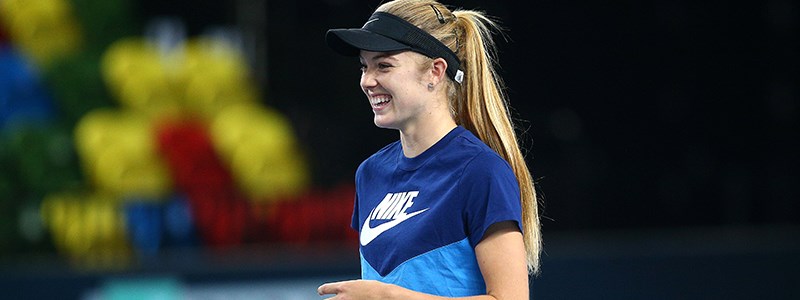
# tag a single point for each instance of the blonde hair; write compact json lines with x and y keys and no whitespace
{"x":479,"y":103}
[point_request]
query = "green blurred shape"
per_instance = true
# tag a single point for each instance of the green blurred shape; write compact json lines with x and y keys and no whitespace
{"x":6,"y":187}
{"x":104,"y":21}
{"x":9,"y":238}
{"x":8,"y":203}
{"x":77,"y":86}
{"x":45,"y":158}
{"x":7,"y":172}
{"x":9,"y":175}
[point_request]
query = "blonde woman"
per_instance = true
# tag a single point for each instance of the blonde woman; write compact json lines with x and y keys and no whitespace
{"x":449,"y":210}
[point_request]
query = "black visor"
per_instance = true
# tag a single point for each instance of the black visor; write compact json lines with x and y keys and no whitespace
{"x":385,"y":32}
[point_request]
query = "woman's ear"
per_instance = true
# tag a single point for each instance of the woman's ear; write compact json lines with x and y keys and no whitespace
{"x":438,"y":70}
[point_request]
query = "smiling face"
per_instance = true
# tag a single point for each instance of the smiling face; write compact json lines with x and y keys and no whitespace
{"x":396,"y":85}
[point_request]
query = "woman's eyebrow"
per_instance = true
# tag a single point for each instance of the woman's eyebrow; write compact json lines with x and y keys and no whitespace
{"x":384,"y":55}
{"x":387,"y":55}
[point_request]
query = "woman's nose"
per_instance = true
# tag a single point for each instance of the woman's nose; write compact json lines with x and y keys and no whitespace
{"x":368,"y":80}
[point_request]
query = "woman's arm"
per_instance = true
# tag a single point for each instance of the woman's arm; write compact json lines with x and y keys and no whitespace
{"x":501,"y":257}
{"x":503,"y":262}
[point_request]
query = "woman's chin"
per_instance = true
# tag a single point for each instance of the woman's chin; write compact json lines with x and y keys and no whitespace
{"x":383,"y":122}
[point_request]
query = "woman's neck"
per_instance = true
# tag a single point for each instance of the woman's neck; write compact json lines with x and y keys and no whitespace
{"x":417,"y":139}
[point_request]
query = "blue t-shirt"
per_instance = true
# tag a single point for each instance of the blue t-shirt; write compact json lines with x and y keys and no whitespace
{"x":419,"y":219}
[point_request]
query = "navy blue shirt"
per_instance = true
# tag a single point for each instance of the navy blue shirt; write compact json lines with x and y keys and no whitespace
{"x":419,"y":219}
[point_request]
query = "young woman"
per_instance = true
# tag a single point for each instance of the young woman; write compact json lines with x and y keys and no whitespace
{"x":449,"y":210}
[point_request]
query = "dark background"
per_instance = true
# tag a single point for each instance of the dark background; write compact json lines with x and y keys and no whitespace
{"x":663,"y":136}
{"x":634,"y":114}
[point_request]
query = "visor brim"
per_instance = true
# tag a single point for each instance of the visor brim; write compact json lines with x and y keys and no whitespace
{"x":349,"y":42}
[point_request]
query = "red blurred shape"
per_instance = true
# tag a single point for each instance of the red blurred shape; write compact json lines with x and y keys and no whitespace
{"x":3,"y":35}
{"x":191,"y":156}
{"x":316,"y":217}
{"x":221,"y":216}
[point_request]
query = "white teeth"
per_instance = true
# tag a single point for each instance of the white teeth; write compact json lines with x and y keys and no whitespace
{"x":378,"y":101}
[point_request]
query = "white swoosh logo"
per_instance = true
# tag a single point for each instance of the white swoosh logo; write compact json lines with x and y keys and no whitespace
{"x":370,"y":233}
{"x":370,"y":21}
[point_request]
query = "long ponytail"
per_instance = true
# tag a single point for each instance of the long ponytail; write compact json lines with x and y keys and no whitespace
{"x":479,"y":103}
{"x":483,"y":108}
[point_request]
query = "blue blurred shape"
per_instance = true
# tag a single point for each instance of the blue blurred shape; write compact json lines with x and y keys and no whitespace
{"x":178,"y":222}
{"x":145,"y":226}
{"x":23,"y":98}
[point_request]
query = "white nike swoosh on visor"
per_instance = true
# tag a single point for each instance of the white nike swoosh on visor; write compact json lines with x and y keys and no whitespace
{"x":369,"y":233}
{"x":370,"y":21}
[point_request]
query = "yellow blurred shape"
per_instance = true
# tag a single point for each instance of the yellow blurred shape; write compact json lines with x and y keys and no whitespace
{"x":259,"y":145}
{"x":42,"y":29}
{"x":214,"y":75}
{"x":135,"y":72}
{"x":118,"y":151}
{"x":87,"y":228}
{"x":268,"y":177}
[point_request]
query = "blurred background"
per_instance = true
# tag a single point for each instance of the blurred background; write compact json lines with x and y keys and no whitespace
{"x":206,"y":149}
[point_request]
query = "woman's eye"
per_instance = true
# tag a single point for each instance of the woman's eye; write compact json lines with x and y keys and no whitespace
{"x":384,"y":66}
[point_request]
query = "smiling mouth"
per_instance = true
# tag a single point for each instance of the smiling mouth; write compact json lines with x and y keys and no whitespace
{"x":379,"y":102}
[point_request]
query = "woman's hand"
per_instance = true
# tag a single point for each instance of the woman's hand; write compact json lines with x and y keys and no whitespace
{"x":356,"y":290}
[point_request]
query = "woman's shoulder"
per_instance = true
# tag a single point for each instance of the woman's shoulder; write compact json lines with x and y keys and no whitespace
{"x":474,"y":153}
{"x":485,"y":166}
{"x":487,"y":162}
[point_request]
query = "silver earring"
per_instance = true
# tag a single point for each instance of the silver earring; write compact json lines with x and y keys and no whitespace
{"x":430,"y":86}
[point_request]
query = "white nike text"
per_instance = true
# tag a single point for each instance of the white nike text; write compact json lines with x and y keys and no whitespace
{"x":393,"y":207}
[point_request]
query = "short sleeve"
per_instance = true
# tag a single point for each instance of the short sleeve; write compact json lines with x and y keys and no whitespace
{"x":358,"y":181}
{"x":492,"y":194}
{"x":354,"y":222}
